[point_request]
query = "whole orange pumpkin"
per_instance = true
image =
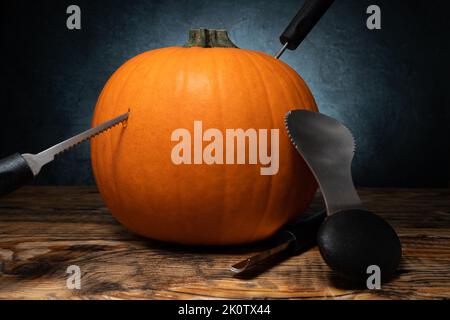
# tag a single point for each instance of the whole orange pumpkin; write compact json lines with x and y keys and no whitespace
{"x":212,"y":81}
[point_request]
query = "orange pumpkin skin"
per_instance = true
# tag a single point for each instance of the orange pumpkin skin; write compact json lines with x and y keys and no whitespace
{"x":226,"y":88}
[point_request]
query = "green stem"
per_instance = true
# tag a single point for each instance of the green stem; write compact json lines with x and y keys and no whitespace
{"x":209,"y":38}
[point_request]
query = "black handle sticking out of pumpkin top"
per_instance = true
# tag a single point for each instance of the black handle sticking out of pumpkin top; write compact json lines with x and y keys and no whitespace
{"x":302,"y":24}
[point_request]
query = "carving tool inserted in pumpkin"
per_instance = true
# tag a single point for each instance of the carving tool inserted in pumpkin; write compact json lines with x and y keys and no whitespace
{"x":305,"y":20}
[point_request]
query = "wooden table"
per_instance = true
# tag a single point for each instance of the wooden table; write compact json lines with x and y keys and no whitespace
{"x":43,"y":230}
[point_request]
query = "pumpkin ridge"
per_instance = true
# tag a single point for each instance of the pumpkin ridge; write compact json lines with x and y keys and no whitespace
{"x":305,"y":102}
{"x":250,"y":56}
{"x":224,"y":172}
{"x":95,"y":165}
{"x":287,"y":70}
{"x":119,"y":96}
{"x":179,"y":212}
{"x":128,"y":219}
{"x":187,"y":62}
{"x":307,"y":195}
{"x":244,"y":82}
{"x":136,"y":65}
{"x":150,"y":74}
{"x":106,"y":145}
{"x":289,"y":198}
{"x":226,"y":186}
{"x":187,"y":230}
{"x":178,"y":193}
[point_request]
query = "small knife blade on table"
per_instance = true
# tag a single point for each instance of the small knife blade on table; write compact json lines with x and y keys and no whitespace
{"x":295,"y":239}
{"x":19,"y":169}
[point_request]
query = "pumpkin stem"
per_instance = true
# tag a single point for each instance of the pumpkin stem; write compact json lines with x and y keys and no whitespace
{"x":209,"y":38}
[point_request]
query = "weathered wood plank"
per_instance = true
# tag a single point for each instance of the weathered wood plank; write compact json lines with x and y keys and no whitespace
{"x":43,"y":230}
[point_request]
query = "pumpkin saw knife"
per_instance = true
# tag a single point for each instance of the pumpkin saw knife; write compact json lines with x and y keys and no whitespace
{"x":18,"y":169}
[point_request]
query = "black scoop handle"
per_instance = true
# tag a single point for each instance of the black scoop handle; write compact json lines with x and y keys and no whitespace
{"x":14,"y":173}
{"x":303,"y":22}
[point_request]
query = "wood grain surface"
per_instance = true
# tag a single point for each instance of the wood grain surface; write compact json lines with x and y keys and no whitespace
{"x":43,"y":230}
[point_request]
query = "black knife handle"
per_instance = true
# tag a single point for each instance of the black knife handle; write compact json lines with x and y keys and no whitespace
{"x":14,"y":173}
{"x":303,"y":22}
{"x":305,"y":231}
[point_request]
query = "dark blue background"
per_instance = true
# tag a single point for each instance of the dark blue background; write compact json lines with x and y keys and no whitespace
{"x":389,"y":86}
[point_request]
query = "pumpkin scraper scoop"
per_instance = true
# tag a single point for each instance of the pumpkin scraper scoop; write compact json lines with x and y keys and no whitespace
{"x":351,"y":239}
{"x":18,"y":169}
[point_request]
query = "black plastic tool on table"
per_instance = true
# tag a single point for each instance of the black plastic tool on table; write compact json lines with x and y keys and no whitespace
{"x":295,"y":238}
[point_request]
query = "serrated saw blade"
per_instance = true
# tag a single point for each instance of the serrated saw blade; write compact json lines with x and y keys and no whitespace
{"x":37,"y":161}
{"x":327,"y":146}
